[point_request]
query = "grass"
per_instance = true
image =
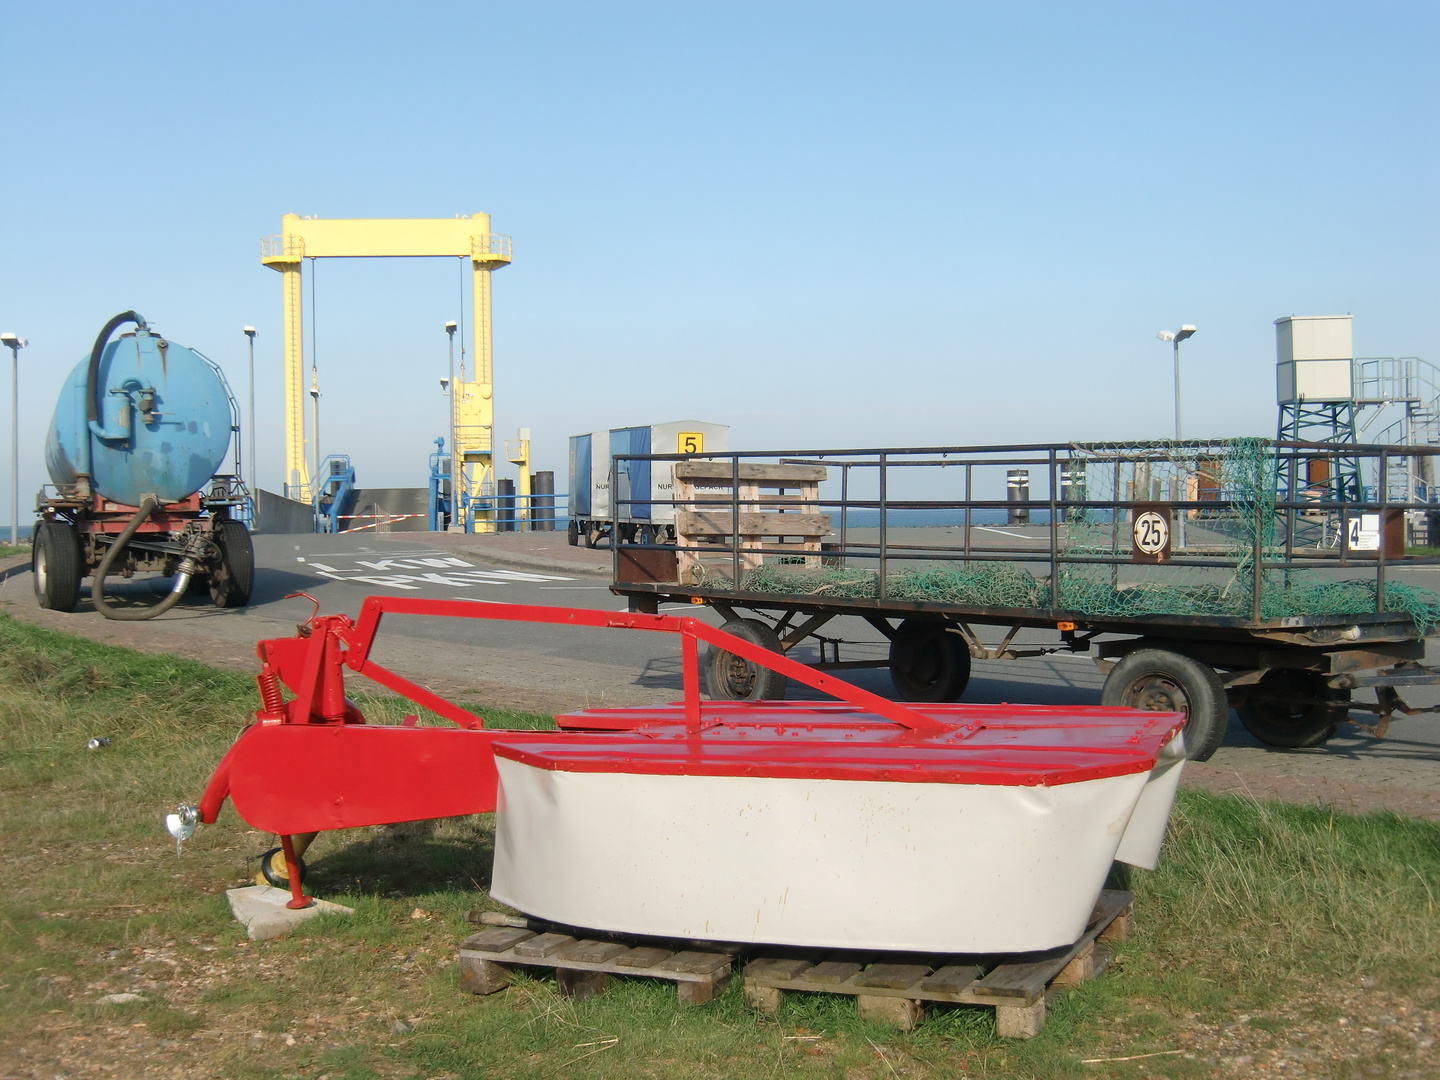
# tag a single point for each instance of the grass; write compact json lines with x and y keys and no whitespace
{"x":1264,"y":928}
{"x":7,"y":550}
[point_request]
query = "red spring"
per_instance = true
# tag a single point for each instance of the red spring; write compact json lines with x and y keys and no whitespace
{"x":272,"y":704}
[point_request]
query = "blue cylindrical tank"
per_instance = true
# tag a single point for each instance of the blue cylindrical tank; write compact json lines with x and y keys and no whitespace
{"x":164,"y":422}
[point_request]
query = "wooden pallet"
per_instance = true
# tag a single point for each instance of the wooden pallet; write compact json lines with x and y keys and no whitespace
{"x":895,"y":993}
{"x":583,"y":967}
{"x":778,"y":506}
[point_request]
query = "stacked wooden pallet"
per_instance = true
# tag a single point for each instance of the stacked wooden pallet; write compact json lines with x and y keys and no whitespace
{"x":766,"y":506}
{"x":896,"y":993}
{"x":889,"y":988}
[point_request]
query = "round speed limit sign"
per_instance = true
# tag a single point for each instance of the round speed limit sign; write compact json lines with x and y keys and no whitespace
{"x":1152,"y":534}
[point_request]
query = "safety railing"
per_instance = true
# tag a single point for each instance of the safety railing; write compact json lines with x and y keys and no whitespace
{"x":490,"y":245}
{"x":1095,"y":529}
{"x":275,"y":247}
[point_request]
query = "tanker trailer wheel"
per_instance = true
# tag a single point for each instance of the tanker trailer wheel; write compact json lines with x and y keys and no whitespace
{"x":1161,"y":681}
{"x":928,"y":662}
{"x":55,"y":562}
{"x":572,"y":533}
{"x":276,"y":873}
{"x":1293,"y":708}
{"x":234,"y":575}
{"x":732,"y":678}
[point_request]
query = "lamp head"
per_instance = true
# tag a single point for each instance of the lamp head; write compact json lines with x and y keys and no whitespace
{"x":1184,"y":332}
{"x":1165,"y":335}
{"x":11,"y":341}
{"x":450,"y":329}
{"x":250,"y":332}
{"x":444,"y":385}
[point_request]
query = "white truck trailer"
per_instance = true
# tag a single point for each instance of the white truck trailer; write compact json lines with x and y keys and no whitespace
{"x":644,"y":489}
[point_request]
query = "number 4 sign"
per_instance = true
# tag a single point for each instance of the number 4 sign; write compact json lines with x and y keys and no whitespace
{"x":1150,"y":531}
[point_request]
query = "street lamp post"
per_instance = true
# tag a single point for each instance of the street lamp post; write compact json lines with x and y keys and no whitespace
{"x":1178,"y":336}
{"x":455,"y":464}
{"x":250,"y":333}
{"x":14,"y":344}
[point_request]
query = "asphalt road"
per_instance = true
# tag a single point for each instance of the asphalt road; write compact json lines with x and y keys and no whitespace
{"x":546,"y":668}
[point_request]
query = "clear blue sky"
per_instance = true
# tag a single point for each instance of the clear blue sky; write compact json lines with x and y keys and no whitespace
{"x":822,"y":224}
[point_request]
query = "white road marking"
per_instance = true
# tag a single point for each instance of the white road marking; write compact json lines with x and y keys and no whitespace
{"x":1002,"y":532}
{"x":432,"y":569}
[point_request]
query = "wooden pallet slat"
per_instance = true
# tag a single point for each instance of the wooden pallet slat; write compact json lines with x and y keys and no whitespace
{"x":891,"y":976}
{"x":543,"y":945}
{"x":591,"y":952}
{"x":831,"y":972}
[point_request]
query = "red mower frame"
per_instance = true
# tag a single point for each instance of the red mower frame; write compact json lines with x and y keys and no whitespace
{"x":297,"y":753}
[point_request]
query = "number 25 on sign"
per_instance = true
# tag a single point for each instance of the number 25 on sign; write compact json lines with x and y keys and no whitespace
{"x":1151,"y":533}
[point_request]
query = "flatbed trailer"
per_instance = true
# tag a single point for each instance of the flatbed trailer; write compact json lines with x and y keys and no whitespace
{"x":1320,"y":521}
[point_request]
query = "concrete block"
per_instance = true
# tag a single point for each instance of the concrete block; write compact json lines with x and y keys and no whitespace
{"x":263,"y":912}
{"x":898,"y":1012}
{"x":1020,"y":1022}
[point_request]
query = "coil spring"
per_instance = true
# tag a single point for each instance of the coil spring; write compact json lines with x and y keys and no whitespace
{"x":271,"y":701}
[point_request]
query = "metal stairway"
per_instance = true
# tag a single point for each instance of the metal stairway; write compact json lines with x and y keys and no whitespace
{"x":1398,"y":399}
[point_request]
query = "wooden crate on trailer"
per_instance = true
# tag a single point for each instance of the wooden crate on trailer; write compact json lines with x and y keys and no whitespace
{"x":778,"y":506}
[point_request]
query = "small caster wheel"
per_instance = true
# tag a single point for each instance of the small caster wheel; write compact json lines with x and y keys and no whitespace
{"x":273,"y":870}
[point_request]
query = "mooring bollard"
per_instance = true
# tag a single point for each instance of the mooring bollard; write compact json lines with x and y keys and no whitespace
{"x":1017,"y":492}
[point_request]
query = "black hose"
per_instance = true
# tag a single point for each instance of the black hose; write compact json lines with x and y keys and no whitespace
{"x":92,"y":404}
{"x":148,"y":505}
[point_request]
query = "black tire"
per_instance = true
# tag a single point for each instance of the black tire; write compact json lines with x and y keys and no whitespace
{"x":280,"y":878}
{"x":1293,"y":708}
{"x":55,"y":563}
{"x":928,"y":662}
{"x":572,"y":533}
{"x":232,"y":578}
{"x":730,"y":678}
{"x":1161,"y":681}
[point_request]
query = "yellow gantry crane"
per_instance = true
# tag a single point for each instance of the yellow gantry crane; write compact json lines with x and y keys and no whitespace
{"x":368,"y":238}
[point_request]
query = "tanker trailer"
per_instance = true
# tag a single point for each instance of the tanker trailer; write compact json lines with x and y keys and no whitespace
{"x":140,"y":429}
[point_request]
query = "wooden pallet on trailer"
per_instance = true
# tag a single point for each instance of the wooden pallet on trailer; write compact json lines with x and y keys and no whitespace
{"x":779,"y":502}
{"x":895,"y":993}
{"x":583,"y":967}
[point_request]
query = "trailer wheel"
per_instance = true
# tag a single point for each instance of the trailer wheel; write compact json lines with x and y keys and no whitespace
{"x":55,"y":562}
{"x":928,"y":662}
{"x":1293,"y":708}
{"x":732,"y":678}
{"x":593,"y":533}
{"x":572,"y":532}
{"x":233,"y":577}
{"x":1161,"y":681}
